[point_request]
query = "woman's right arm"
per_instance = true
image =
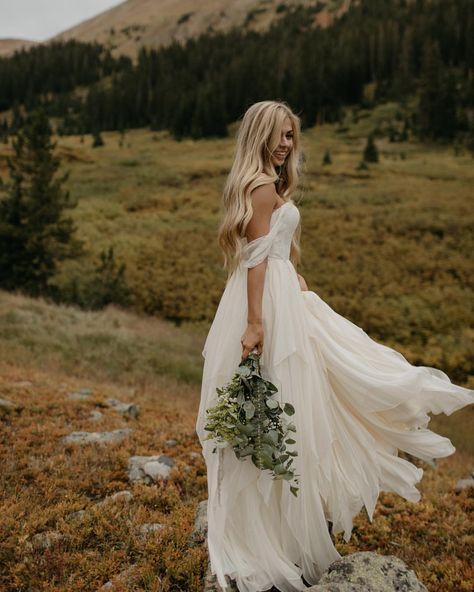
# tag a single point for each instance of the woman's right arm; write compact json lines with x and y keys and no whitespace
{"x":264,"y":199}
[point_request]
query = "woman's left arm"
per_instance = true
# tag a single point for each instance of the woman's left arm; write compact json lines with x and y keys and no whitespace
{"x":303,"y":284}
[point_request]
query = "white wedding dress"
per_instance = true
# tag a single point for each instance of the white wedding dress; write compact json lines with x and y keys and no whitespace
{"x":357,"y":402}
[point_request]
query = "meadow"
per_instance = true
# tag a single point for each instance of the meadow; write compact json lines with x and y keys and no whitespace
{"x":389,"y":247}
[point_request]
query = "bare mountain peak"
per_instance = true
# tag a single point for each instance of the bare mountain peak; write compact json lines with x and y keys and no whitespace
{"x":154,"y":23}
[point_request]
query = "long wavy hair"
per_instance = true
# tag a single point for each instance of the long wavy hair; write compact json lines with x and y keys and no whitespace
{"x":257,"y":137}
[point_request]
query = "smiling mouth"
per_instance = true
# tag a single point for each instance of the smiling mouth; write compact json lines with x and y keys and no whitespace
{"x":281,"y":154}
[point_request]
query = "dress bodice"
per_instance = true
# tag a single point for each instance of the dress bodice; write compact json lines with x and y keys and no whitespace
{"x":276,"y":244}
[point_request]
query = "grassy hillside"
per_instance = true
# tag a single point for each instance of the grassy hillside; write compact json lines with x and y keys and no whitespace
{"x":49,"y":352}
{"x":389,"y":247}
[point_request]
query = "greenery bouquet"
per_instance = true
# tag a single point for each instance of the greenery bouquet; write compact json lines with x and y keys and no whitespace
{"x":249,"y":418}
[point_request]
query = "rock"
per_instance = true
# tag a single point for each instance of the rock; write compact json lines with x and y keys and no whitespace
{"x":155,"y":468}
{"x":194,"y":454}
{"x":7,"y":407}
{"x":199,"y":532}
{"x":79,"y":515}
{"x":149,"y":468}
{"x":96,"y":437}
{"x":44,"y":540}
{"x":22,"y":384}
{"x":80,"y":395}
{"x":125,"y":579}
{"x":463,"y":484}
{"x":96,"y":415}
{"x":124,"y":495}
{"x":129,"y":409}
{"x":359,"y":572}
{"x":146,"y":529}
{"x":171,"y":442}
{"x":369,"y":572}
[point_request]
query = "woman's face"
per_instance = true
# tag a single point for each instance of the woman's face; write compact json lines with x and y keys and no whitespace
{"x":285,"y":144}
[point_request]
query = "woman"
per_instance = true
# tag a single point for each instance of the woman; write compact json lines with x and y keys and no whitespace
{"x":357,"y":402}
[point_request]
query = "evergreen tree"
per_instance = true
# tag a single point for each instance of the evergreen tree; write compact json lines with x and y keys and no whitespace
{"x":437,"y":104}
{"x":97,"y":140}
{"x":327,"y":158}
{"x":371,"y":153}
{"x":34,"y":234}
{"x":109,"y":285}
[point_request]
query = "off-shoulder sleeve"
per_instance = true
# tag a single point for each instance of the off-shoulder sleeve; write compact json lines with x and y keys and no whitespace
{"x":257,"y":250}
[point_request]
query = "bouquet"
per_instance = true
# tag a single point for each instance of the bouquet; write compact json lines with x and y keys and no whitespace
{"x":249,"y":418}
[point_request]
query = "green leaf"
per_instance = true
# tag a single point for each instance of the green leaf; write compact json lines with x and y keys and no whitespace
{"x":272,"y":403}
{"x":289,"y":409}
{"x":249,"y":408}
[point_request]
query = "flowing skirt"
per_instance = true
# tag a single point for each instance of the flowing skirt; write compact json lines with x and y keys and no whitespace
{"x":357,"y":402}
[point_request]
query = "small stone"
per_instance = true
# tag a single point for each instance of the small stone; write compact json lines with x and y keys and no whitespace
{"x":129,"y":409}
{"x":171,"y":442}
{"x":96,"y":437}
{"x":199,"y":532}
{"x":96,"y":415}
{"x":463,"y":484}
{"x":125,"y":578}
{"x":156,"y":469}
{"x":137,"y":472}
{"x":7,"y":407}
{"x":124,"y":495}
{"x":79,"y":515}
{"x":146,"y":529}
{"x":22,"y":384}
{"x":44,"y":540}
{"x":78,"y":396}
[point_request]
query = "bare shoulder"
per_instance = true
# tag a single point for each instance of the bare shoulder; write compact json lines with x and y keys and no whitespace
{"x":264,"y":198}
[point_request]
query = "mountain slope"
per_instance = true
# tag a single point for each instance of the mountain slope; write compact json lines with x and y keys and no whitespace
{"x":8,"y":46}
{"x":153,"y":23}
{"x":135,"y":23}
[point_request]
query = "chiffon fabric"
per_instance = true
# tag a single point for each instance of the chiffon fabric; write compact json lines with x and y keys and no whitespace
{"x":357,"y":402}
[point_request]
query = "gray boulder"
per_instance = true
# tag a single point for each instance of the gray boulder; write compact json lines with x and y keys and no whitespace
{"x":368,"y":572}
{"x":359,"y":572}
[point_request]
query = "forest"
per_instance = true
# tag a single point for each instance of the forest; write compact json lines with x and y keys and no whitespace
{"x":380,"y":50}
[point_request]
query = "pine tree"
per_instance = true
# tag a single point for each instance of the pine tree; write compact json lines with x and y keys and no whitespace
{"x":327,"y":158}
{"x":34,"y":234}
{"x":371,"y":154}
{"x":109,"y":285}
{"x":97,"y":140}
{"x":437,"y":103}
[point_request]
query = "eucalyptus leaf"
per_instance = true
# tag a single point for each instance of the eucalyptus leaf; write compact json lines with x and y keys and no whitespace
{"x":272,"y":403}
{"x":249,"y":418}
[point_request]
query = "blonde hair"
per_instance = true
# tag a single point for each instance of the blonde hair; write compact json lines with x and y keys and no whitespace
{"x":257,"y":138}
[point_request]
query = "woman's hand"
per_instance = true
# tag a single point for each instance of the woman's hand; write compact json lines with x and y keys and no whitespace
{"x":253,"y":337}
{"x":303,"y":284}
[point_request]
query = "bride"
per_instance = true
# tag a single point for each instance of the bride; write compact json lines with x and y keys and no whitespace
{"x":357,"y":402}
